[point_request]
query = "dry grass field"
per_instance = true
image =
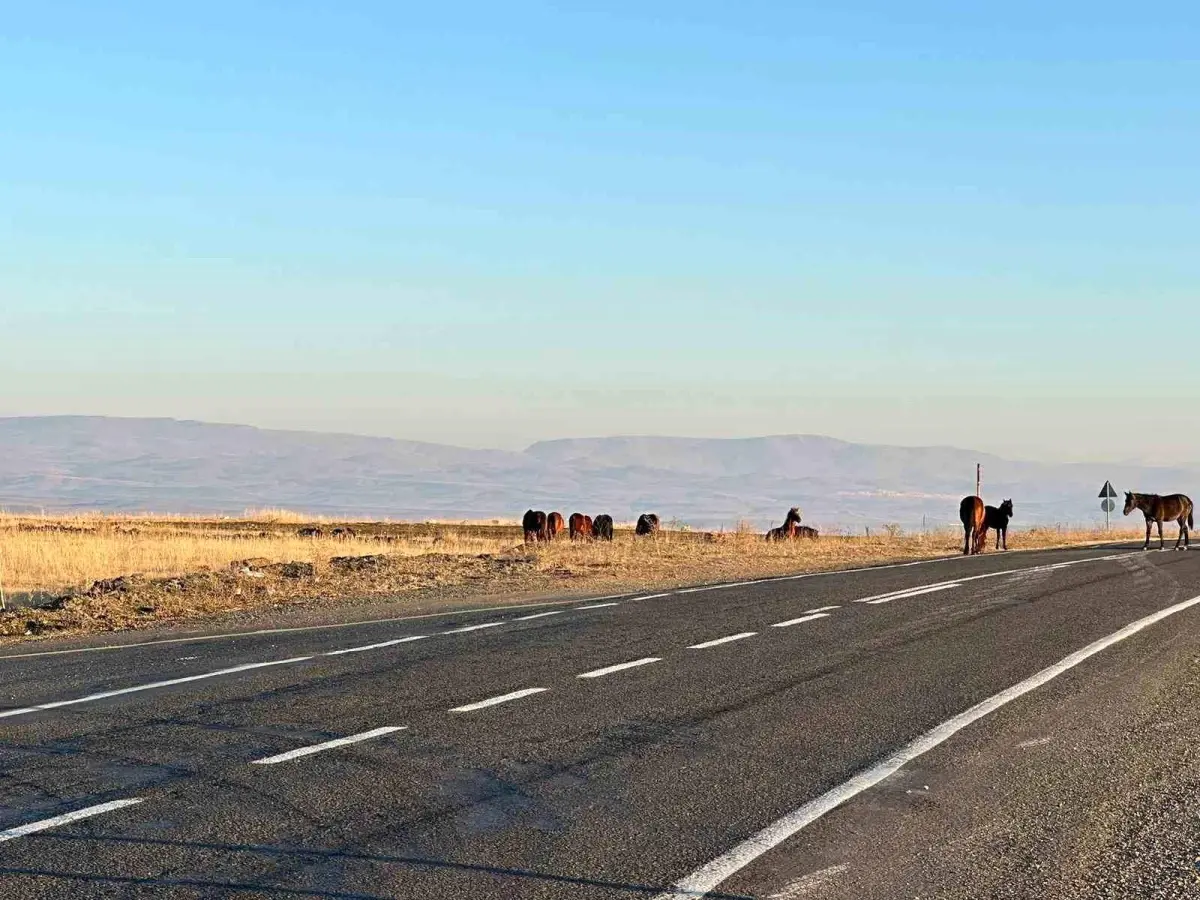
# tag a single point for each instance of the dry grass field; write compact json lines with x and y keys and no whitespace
{"x":100,"y":573}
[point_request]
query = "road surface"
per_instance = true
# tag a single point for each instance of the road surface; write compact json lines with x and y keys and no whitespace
{"x":817,"y":736}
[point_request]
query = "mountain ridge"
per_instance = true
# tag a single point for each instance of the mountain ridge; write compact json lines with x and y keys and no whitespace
{"x":180,"y":465}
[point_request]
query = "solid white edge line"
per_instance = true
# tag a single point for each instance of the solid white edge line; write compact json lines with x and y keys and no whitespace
{"x":66,"y":818}
{"x":541,"y":615}
{"x":328,"y":745}
{"x":720,"y":587}
{"x":706,"y":878}
{"x":495,"y":701}
{"x":380,"y":645}
{"x":608,"y":670}
{"x":723,"y":640}
{"x":104,"y":695}
{"x":808,"y":618}
{"x":821,"y":609}
{"x":648,"y":597}
{"x":596,"y":606}
{"x":932,"y":589}
{"x":467,"y":628}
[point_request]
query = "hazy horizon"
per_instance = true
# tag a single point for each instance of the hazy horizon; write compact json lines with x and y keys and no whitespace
{"x":487,"y":226}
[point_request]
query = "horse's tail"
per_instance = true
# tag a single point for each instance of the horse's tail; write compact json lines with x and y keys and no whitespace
{"x":1191,"y":509}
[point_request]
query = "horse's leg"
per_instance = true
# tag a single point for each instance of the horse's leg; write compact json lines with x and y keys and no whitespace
{"x":1182,"y":531}
{"x":966,"y":539}
{"x":1149,"y":524}
{"x":1161,"y":542}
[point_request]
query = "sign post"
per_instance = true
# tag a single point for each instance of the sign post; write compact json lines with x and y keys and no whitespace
{"x":1106,"y":501}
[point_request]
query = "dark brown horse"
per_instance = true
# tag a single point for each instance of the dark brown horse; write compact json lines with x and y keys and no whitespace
{"x":602,"y":527}
{"x":647,"y":524}
{"x":970,"y":513}
{"x":533,"y":523}
{"x":997,"y":517}
{"x":1161,"y":509}
{"x":554,"y":525}
{"x":804,"y":532}
{"x":580,"y":526}
{"x":790,"y":528}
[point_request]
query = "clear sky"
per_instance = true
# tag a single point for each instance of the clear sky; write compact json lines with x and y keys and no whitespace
{"x":486,"y":223}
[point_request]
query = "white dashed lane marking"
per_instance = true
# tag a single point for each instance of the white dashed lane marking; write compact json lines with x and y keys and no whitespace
{"x":104,"y":695}
{"x":65,"y":819}
{"x":597,"y":605}
{"x":496,"y":701}
{"x":619,"y":667}
{"x":380,"y":645}
{"x":467,"y":628}
{"x":329,"y":745}
{"x":542,"y":615}
{"x":801,"y":620}
{"x":723,"y":640}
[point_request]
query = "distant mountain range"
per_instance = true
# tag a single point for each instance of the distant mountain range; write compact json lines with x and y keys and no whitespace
{"x":164,"y":465}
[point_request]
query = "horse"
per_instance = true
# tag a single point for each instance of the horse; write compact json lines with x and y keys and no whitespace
{"x":647,"y":524}
{"x":789,"y":529}
{"x":554,"y":525}
{"x":997,"y":517}
{"x":807,"y":532}
{"x":533,"y":523}
{"x":580,"y":526}
{"x":602,"y":527}
{"x":970,"y":513}
{"x":1160,"y":509}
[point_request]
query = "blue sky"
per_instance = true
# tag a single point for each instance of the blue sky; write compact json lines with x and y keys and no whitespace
{"x":493,"y":223}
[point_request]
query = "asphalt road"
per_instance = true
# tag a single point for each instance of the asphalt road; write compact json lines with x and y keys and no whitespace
{"x":483,"y":764}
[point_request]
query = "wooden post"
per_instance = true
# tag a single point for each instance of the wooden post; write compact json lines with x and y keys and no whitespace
{"x":978,"y":479}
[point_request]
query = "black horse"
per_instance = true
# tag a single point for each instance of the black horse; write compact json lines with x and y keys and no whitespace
{"x":602,"y":527}
{"x":997,"y":517}
{"x":533,"y":523}
{"x":647,"y":524}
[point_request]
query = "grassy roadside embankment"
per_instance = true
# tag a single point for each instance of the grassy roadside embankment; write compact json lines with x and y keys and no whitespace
{"x":97,"y":573}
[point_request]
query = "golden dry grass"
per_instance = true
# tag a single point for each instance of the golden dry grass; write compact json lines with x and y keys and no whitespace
{"x":184,"y":565}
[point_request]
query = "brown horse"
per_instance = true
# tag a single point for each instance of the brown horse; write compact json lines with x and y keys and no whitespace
{"x":997,"y":517}
{"x":971,"y":514}
{"x":580,"y":526}
{"x":805,"y":532}
{"x":554,"y":525}
{"x":602,"y":527}
{"x":1160,"y":509}
{"x":790,"y":528}
{"x":533,"y":523}
{"x":647,"y":524}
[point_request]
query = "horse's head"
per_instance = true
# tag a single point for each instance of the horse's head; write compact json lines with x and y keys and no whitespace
{"x":793,"y":514}
{"x":1006,"y":509}
{"x":1130,"y":505}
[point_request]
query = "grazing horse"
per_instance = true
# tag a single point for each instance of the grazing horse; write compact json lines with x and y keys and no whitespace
{"x":580,"y":525}
{"x":647,"y":524}
{"x":533,"y":523}
{"x":602,"y":527}
{"x":970,"y":513}
{"x":997,"y":517}
{"x":1160,"y":509}
{"x":789,"y":529}
{"x":806,"y":532}
{"x":554,"y":524}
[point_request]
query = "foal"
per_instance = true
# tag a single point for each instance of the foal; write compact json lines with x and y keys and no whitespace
{"x":997,"y":517}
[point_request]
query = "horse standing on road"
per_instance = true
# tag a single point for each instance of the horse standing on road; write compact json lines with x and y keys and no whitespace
{"x":1160,"y":509}
{"x":997,"y":518}
{"x":971,"y":513}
